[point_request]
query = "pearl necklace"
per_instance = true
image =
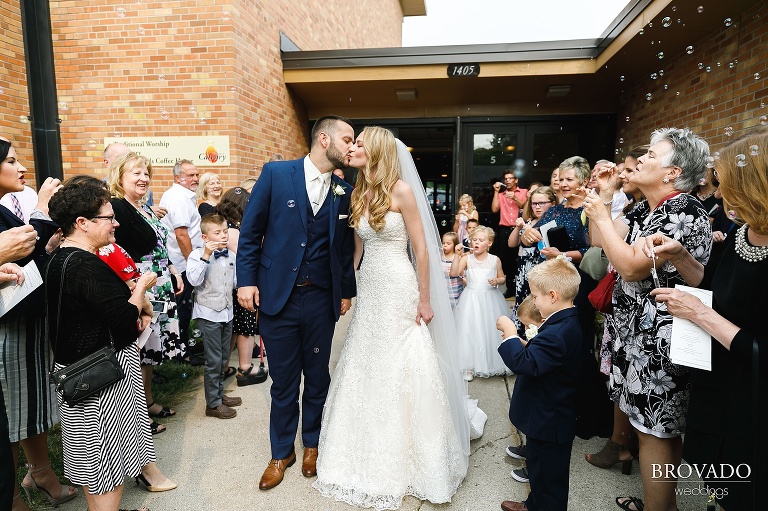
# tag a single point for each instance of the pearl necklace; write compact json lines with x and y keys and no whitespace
{"x":745,"y":250}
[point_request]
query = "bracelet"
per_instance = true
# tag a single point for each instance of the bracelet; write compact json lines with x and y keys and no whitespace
{"x":608,"y":203}
{"x":206,"y":261}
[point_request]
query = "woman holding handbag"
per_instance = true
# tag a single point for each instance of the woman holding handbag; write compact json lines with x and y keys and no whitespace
{"x":90,"y":308}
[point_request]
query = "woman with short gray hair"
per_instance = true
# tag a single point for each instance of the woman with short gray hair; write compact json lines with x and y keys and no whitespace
{"x":644,"y":382}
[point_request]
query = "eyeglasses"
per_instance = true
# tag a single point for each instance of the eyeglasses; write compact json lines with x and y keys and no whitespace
{"x":539,"y":204}
{"x":111,"y":218}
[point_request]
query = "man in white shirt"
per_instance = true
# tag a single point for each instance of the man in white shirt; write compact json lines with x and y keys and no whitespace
{"x":183,"y":223}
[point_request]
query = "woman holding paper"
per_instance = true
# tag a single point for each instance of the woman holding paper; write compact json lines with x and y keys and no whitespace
{"x":24,"y":356}
{"x":644,"y":382}
{"x":723,"y":415}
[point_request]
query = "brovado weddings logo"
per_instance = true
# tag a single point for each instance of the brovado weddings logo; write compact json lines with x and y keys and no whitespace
{"x":721,"y":475}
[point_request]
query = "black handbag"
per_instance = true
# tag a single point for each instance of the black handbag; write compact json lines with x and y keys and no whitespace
{"x":91,"y":373}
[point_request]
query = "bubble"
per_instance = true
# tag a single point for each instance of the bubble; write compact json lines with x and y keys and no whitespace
{"x":710,"y":162}
{"x":641,"y":32}
{"x":654,"y":76}
{"x":679,"y":20}
{"x":677,"y":93}
{"x":731,"y":214}
{"x":537,"y":105}
{"x":141,"y":30}
{"x":622,"y":78}
{"x":193,"y":109}
{"x":731,"y":65}
{"x":63,"y":105}
{"x":238,"y":190}
{"x":616,"y":151}
{"x":23,"y":119}
{"x":728,"y":131}
{"x":674,"y":8}
{"x":666,"y":22}
{"x":627,"y":119}
{"x":226,"y":16}
{"x":660,"y":55}
{"x":741,"y":160}
{"x":728,"y":22}
{"x":716,"y":155}
{"x":233,"y":89}
{"x":718,"y":64}
{"x":92,"y":144}
{"x":183,"y":375}
{"x":161,"y":77}
{"x":650,"y":25}
{"x":701,"y":65}
{"x":711,"y":107}
{"x":708,"y":69}
{"x":535,"y":163}
{"x":118,"y":134}
{"x":702,"y":181}
{"x":754,"y":150}
{"x":203,"y":120}
{"x":621,"y":141}
{"x":700,"y":9}
{"x":165,"y":114}
{"x":120,"y":12}
{"x":648,"y":97}
{"x":661,"y":72}
{"x":757,"y":76}
{"x":1,"y":89}
{"x":763,"y":120}
{"x":666,"y":86}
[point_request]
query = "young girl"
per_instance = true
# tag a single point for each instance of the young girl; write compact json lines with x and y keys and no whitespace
{"x":541,"y":200}
{"x":467,"y":210}
{"x":455,"y":284}
{"x":480,"y":304}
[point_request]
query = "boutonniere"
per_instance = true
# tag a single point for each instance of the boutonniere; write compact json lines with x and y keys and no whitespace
{"x":338,"y":190}
{"x":531,"y":331}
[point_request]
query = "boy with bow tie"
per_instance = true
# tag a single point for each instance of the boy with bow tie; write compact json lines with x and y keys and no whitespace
{"x":211,"y":270}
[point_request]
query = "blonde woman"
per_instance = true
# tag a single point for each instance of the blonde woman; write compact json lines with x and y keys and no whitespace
{"x":363,"y":423}
{"x":467,"y":210}
{"x":209,"y":191}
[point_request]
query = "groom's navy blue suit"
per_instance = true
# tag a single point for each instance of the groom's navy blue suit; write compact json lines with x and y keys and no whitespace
{"x":282,"y":246}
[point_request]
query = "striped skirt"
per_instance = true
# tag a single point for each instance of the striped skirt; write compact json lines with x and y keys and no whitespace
{"x":106,"y":437}
{"x":24,"y":364}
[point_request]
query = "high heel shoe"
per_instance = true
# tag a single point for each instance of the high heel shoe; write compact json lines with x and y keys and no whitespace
{"x":609,"y":456}
{"x":64,"y":495}
{"x":164,"y":486}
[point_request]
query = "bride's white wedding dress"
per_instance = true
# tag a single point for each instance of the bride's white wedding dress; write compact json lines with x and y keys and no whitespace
{"x":387,"y":430}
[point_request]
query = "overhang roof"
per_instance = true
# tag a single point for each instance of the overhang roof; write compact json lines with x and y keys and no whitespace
{"x":413,"y":7}
{"x":514,"y":78}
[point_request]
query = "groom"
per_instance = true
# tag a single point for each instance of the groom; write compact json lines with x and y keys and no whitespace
{"x":294,"y":262}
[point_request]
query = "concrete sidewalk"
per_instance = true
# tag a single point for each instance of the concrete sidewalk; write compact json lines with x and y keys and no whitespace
{"x":218,"y":463}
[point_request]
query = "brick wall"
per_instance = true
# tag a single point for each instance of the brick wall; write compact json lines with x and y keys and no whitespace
{"x":120,"y":65}
{"x":728,"y":96}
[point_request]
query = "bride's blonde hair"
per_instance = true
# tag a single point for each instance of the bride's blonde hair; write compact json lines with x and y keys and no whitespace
{"x":377,"y":178}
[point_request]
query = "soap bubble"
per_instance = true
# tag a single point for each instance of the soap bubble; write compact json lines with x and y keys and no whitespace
{"x":621,"y":78}
{"x":661,"y":72}
{"x":161,"y":77}
{"x":754,"y":150}
{"x":708,"y":69}
{"x":711,"y":107}
{"x":700,"y":9}
{"x":718,"y":64}
{"x":660,"y":55}
{"x":677,"y":93}
{"x":63,"y":105}
{"x":627,"y":119}
{"x":731,"y":65}
{"x":92,"y":144}
{"x":226,"y":16}
{"x":650,"y":25}
{"x":731,"y":214}
{"x":621,"y":141}
{"x":728,"y":131}
{"x":193,"y":109}
{"x":763,"y":120}
{"x":666,"y":86}
{"x":701,"y":65}
{"x":653,"y":76}
{"x":666,"y":22}
{"x":203,"y":120}
{"x":165,"y":114}
{"x":674,"y":8}
{"x":233,"y":89}
{"x":716,"y":155}
{"x":535,"y":163}
{"x":616,"y":151}
{"x":23,"y":119}
{"x":641,"y":32}
{"x":689,"y":50}
{"x":702,"y":181}
{"x":757,"y":76}
{"x":728,"y":22}
{"x":120,"y":12}
{"x":117,"y":134}
{"x":741,"y":160}
{"x":141,"y":30}
{"x":1,"y":89}
{"x":710,"y":162}
{"x":648,"y":97}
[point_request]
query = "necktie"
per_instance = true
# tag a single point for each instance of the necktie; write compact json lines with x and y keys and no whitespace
{"x":17,"y":207}
{"x":220,"y":253}
{"x":321,"y":192}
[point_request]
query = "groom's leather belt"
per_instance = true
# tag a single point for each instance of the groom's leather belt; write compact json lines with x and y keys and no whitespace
{"x":303,"y":283}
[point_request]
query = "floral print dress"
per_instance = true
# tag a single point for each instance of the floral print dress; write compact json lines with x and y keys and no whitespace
{"x":644,"y":382}
{"x":164,"y":342}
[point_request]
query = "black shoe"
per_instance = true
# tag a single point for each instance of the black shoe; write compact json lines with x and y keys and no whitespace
{"x":249,"y":377}
{"x":520,"y":475}
{"x":517,"y":452}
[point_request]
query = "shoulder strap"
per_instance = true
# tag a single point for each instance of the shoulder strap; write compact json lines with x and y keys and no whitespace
{"x":48,"y":302}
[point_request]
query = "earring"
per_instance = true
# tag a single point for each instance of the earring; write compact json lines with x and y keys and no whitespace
{"x":665,"y":180}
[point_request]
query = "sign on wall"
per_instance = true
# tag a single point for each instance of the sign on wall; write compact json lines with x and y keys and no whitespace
{"x":210,"y":151}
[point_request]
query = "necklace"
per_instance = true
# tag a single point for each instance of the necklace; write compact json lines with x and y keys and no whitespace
{"x":746,"y":251}
{"x":702,"y":198}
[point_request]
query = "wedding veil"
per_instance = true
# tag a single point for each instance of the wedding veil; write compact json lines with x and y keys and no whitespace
{"x":443,"y":326}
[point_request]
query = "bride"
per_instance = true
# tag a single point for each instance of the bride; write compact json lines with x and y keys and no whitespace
{"x":395,"y":422}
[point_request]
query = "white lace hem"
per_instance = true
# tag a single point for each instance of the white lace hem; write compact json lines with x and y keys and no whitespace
{"x":379,"y":502}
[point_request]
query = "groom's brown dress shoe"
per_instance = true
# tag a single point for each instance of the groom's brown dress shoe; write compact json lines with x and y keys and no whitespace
{"x":511,"y":505}
{"x":273,"y":475}
{"x":309,"y":464}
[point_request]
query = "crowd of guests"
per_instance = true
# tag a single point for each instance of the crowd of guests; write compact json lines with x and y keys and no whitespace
{"x":669,"y":214}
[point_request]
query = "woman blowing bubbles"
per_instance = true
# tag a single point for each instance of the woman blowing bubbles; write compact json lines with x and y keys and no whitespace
{"x":723,"y":414}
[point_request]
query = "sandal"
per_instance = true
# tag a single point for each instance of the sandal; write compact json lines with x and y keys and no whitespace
{"x":30,"y":484}
{"x":162,"y":414}
{"x":156,"y":428}
{"x":609,"y":456}
{"x":636,"y":501}
{"x":230,"y":372}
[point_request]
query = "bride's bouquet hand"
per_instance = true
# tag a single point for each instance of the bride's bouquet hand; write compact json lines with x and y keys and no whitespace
{"x":424,"y":312}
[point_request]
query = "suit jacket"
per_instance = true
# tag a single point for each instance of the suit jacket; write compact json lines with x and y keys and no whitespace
{"x":543,"y":404}
{"x":273,"y":236}
{"x":33,"y":304}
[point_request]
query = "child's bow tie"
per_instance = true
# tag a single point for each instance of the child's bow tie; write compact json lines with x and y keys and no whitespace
{"x":220,"y":253}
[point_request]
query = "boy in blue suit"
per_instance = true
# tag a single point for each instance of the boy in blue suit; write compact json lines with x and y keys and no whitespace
{"x":547,"y":368}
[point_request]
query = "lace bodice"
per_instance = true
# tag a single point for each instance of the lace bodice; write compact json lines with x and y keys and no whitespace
{"x":478,"y":272}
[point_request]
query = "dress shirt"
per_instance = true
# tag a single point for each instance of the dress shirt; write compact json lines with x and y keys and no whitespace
{"x":196,"y":269}
{"x":181,"y":204}
{"x":318,"y":184}
{"x":27,"y":200}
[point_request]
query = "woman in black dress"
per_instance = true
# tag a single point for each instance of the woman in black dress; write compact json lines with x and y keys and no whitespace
{"x":724,"y":418}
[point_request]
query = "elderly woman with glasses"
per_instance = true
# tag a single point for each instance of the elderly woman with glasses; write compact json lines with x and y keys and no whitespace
{"x":644,"y":382}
